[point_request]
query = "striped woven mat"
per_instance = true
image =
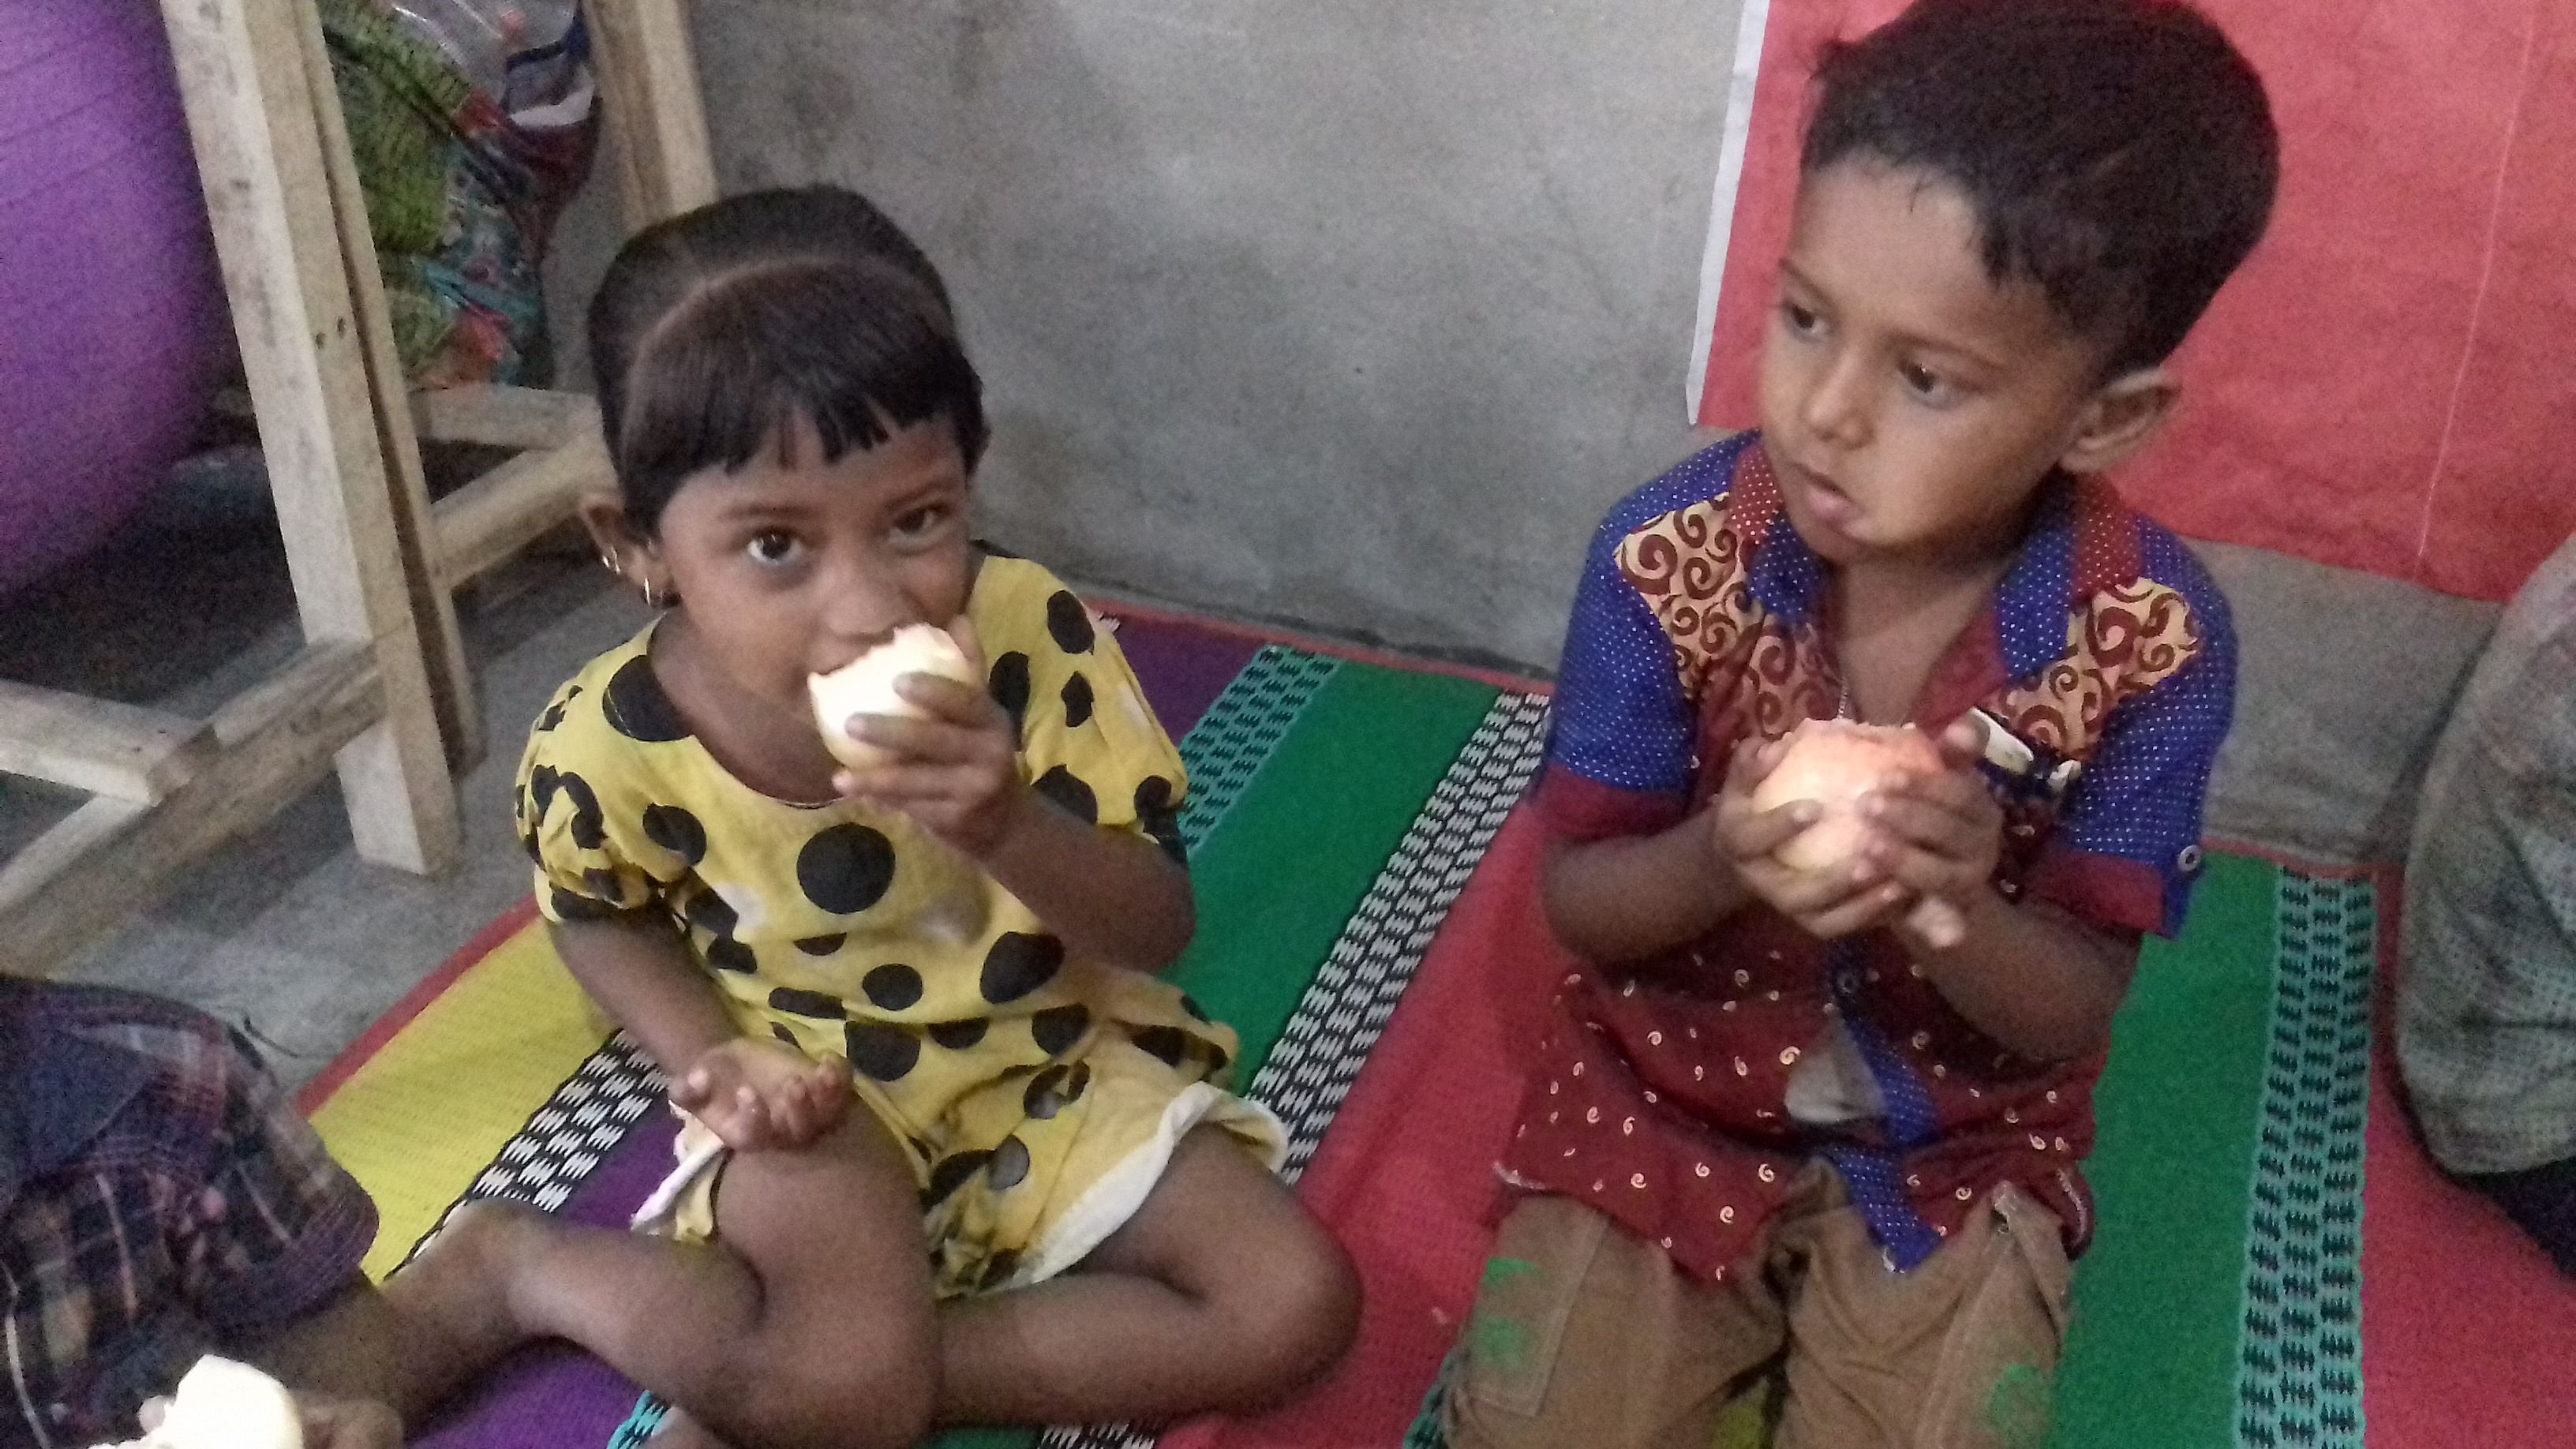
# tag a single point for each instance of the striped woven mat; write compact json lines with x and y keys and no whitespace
{"x":1366,"y":922}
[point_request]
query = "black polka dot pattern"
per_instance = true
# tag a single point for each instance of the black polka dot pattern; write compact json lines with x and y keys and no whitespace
{"x":1076,"y":695}
{"x":1057,"y":1028}
{"x":589,"y":827}
{"x":1168,"y":1044}
{"x":677,"y":831}
{"x":815,"y":1004}
{"x":880,"y":1052}
{"x":1067,"y":790}
{"x":541,"y":791}
{"x":845,"y":868}
{"x":950,"y":1173}
{"x":1159,"y":819}
{"x":606,"y":885}
{"x":1019,"y":963}
{"x":1068,"y":623}
{"x":780,"y":1031}
{"x":1054,"y":1089}
{"x":957,"y":1036}
{"x":1009,"y":683}
{"x":636,"y":707}
{"x":727,"y":954}
{"x":571,"y":907}
{"x":822,"y":945}
{"x":1008,"y":1167}
{"x":998,"y":1269}
{"x":712,"y":913}
{"x":893,"y":986}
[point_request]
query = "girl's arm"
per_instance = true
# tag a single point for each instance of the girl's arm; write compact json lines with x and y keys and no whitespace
{"x":639,"y":970}
{"x":1110,"y":895}
{"x":754,"y":1092}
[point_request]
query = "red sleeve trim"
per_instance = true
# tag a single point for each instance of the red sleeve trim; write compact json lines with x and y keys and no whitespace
{"x":1577,"y":808}
{"x":2104,"y":889}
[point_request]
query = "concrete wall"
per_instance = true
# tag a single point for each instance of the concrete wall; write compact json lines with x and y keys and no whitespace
{"x":1355,"y":316}
{"x":1339,"y":312}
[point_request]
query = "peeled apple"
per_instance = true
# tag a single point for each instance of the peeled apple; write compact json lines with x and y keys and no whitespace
{"x":1833,"y":763}
{"x":221,"y":1404}
{"x":865,"y":685}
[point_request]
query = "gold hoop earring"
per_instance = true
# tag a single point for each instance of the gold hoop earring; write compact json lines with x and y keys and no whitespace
{"x":616,"y":566}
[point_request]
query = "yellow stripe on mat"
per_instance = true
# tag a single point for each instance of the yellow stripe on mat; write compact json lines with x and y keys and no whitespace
{"x":433,"y":1106}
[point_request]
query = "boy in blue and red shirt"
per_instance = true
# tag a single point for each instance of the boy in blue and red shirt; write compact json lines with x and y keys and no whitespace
{"x":1768,"y":1116}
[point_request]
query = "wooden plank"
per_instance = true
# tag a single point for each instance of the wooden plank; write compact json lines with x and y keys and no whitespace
{"x":92,"y":871}
{"x":648,"y":85}
{"x":503,"y":417}
{"x":501,"y":512}
{"x":98,"y":745}
{"x":252,"y":118}
{"x":433,"y":609}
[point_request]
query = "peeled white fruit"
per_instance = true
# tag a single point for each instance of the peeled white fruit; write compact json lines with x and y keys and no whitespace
{"x":1834,"y":763}
{"x":865,"y":685}
{"x":221,"y":1404}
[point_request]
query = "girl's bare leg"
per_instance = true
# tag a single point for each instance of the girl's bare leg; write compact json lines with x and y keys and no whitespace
{"x":811,"y":1324}
{"x":1221,"y":1293}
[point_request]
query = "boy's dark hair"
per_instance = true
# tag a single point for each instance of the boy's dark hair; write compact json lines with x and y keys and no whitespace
{"x":2120,"y":153}
{"x":714,"y":330}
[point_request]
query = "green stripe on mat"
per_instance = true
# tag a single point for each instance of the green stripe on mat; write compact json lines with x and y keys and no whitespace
{"x":1294,"y":854}
{"x":2151,"y":1357}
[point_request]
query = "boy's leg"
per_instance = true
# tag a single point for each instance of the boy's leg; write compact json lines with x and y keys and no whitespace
{"x":1221,"y":1293}
{"x":1954,"y":1355}
{"x":810,"y":1324}
{"x":1582,"y":1334}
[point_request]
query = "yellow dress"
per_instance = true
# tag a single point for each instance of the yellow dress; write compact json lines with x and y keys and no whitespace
{"x":1040,"y":1096}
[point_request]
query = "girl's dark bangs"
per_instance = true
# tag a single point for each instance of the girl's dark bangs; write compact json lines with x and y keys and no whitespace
{"x":855,"y":356}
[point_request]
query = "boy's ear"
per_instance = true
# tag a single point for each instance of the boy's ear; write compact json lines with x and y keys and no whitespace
{"x":2122,"y":414}
{"x":622,"y":546}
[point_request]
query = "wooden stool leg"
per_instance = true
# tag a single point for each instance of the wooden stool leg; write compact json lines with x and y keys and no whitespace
{"x":451,"y":684}
{"x":268,"y":193}
{"x":648,"y":84}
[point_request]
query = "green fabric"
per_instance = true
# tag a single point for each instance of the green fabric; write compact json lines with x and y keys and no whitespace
{"x":1281,"y":872}
{"x":2151,"y":1357}
{"x":2299,"y":1374}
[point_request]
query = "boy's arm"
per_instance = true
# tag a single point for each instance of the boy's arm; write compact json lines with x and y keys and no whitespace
{"x":1632,"y":897}
{"x":1625,"y":898}
{"x":2035,"y":977}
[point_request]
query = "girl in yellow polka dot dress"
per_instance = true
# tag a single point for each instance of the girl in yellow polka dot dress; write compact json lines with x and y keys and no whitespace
{"x":951,"y":1153}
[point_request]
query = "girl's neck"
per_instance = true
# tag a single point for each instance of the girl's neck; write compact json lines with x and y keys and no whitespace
{"x":773,"y":750}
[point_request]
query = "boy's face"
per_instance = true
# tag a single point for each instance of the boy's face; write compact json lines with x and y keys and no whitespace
{"x":1910,"y":405}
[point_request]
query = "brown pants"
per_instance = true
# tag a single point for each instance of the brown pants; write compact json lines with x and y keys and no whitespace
{"x":1583,"y":1335}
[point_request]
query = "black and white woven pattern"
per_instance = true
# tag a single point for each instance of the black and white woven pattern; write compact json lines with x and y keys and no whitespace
{"x":569,"y":1136}
{"x":1242,"y":726}
{"x":1338,"y":1021}
{"x":1346,"y":1007}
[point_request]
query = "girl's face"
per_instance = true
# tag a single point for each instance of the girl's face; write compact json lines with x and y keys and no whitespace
{"x":790,"y":566}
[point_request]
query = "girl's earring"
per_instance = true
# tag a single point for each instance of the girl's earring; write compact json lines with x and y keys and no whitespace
{"x":656,"y":597}
{"x":616,"y":566}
